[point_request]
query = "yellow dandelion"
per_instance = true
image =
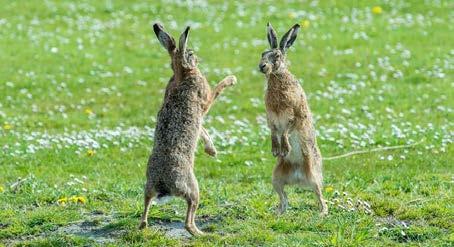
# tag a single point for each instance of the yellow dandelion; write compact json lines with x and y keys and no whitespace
{"x":377,"y":10}
{"x":292,"y":15}
{"x":81,"y":199}
{"x":1,"y":189}
{"x":62,"y":201}
{"x":90,"y":152}
{"x":329,"y":189}
{"x":305,"y":23}
{"x":78,"y":199}
{"x":7,"y":126}
{"x":88,"y":111}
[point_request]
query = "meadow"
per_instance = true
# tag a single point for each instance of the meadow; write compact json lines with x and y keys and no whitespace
{"x":81,"y":83}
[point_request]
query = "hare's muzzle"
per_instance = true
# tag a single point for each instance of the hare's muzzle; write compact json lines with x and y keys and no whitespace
{"x":262,"y":67}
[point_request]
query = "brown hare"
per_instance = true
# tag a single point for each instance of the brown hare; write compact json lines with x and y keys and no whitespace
{"x":187,"y":99}
{"x":292,"y":132}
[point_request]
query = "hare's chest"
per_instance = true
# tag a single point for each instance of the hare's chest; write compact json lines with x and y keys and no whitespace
{"x":279,"y":121}
{"x":277,"y":102}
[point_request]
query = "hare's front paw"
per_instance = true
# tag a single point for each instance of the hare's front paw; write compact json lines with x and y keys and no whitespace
{"x":211,"y":151}
{"x":231,"y":80}
{"x":275,"y":150}
{"x":285,"y":149}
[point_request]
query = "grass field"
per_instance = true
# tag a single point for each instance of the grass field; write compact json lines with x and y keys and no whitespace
{"x":81,"y":83}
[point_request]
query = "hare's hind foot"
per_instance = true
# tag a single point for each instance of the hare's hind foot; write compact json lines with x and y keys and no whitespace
{"x":281,"y":208}
{"x":278,"y":186}
{"x":323,"y":208}
{"x":324,"y":212}
{"x":143,"y":224}
{"x":192,"y":229}
{"x":192,"y":199}
{"x":190,"y":219}
{"x":321,"y":201}
{"x":148,"y":196}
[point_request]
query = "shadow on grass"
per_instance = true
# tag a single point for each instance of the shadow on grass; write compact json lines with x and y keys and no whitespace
{"x":104,"y":229}
{"x":175,"y":229}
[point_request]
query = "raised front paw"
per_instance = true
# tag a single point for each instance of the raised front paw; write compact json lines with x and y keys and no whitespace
{"x":285,"y":149}
{"x":231,"y":80}
{"x":211,"y":151}
{"x":275,"y":150}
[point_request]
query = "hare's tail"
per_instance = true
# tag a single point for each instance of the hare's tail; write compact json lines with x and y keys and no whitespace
{"x":160,"y":200}
{"x":373,"y":150}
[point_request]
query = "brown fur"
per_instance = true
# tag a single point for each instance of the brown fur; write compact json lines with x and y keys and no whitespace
{"x":187,"y":99}
{"x":290,"y":120}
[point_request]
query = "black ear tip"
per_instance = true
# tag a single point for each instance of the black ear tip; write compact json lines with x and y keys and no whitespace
{"x":268,"y":24}
{"x":296,"y":26}
{"x":187,"y":29}
{"x":157,"y":27}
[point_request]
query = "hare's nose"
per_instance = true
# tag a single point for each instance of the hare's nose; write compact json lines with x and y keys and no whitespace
{"x":261,"y":67}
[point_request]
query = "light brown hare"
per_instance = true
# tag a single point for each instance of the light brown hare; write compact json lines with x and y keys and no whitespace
{"x":289,"y":118}
{"x":187,"y":99}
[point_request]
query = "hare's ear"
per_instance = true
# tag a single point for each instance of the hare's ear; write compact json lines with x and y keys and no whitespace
{"x":164,"y":38}
{"x":271,"y":34}
{"x":289,"y":38}
{"x":184,"y":39}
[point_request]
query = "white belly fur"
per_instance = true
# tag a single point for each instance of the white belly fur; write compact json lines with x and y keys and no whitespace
{"x":295,"y":157}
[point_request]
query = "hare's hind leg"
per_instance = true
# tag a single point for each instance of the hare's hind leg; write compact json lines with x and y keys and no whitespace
{"x":316,"y":179}
{"x":283,"y":201}
{"x":193,"y":203}
{"x":149,"y":194}
{"x":192,"y":198}
{"x":312,"y":167}
{"x":318,"y":193}
{"x":280,"y":179}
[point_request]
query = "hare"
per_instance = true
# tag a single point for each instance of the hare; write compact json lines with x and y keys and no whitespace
{"x":289,"y":118}
{"x":187,"y":99}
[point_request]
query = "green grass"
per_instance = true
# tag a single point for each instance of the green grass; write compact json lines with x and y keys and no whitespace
{"x":90,"y":75}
